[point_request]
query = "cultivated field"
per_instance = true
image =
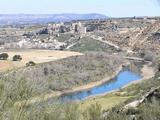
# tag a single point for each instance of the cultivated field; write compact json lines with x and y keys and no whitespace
{"x":37,"y":56}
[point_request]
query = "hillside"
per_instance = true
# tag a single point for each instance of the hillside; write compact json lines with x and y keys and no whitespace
{"x":8,"y":19}
{"x":149,"y":38}
{"x":31,"y":91}
{"x":89,"y":44}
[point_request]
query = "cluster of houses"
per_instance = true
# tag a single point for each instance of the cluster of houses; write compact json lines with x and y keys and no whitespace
{"x":32,"y":39}
{"x":48,"y":43}
{"x":77,"y":27}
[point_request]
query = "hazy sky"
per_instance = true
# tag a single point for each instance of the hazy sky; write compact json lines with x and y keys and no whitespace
{"x":114,"y":8}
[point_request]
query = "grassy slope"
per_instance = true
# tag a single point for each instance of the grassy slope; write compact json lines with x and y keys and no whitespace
{"x":126,"y":94}
{"x":66,"y":73}
{"x":148,"y":111}
{"x":88,"y":44}
{"x":64,"y":37}
{"x":106,"y":102}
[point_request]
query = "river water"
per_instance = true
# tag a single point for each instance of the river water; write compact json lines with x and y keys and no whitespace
{"x":123,"y":78}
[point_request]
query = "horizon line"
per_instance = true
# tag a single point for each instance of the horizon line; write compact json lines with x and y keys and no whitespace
{"x":77,"y":14}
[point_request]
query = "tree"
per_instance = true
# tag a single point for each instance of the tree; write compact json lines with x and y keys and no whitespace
{"x":62,"y":47}
{"x":17,"y":58}
{"x":30,"y":63}
{"x":4,"y":56}
{"x":46,"y":71}
{"x":158,"y":67}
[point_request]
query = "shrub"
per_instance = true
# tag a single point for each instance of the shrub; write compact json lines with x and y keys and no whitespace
{"x":94,"y":112}
{"x":17,"y":58}
{"x":149,"y":56}
{"x":4,"y":56}
{"x":30,"y":63}
{"x":159,"y":67}
{"x":71,"y":112}
{"x":46,"y":72}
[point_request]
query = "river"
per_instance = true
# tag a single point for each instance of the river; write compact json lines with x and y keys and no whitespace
{"x":123,"y":78}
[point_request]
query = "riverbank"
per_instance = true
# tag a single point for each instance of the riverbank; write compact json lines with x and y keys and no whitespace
{"x":55,"y":94}
{"x":94,"y":84}
{"x":146,"y":73}
{"x":119,"y":96}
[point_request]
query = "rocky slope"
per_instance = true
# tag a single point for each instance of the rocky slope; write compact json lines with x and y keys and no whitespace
{"x":149,"y":38}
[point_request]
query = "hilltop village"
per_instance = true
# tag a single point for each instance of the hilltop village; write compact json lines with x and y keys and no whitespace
{"x":44,"y":37}
{"x":59,"y":36}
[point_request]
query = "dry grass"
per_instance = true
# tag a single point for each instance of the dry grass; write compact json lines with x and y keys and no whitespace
{"x":6,"y":65}
{"x":106,"y":102}
{"x":38,"y":56}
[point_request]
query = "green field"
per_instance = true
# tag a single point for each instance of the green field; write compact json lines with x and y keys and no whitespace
{"x":88,"y":44}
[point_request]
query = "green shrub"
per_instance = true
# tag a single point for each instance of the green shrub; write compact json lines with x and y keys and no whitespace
{"x":17,"y":58}
{"x":94,"y":112}
{"x":4,"y":56}
{"x":71,"y":112}
{"x":30,"y":63}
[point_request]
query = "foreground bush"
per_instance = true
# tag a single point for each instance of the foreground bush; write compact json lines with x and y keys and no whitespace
{"x":94,"y":112}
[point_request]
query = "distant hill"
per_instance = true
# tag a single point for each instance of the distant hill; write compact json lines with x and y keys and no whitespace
{"x":7,"y":19}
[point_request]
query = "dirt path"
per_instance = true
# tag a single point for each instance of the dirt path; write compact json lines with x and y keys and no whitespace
{"x":134,"y":58}
{"x":71,"y":45}
{"x":106,"y":42}
{"x":147,"y":72}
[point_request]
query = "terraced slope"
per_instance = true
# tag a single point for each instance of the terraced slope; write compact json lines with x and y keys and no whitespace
{"x":149,"y":39}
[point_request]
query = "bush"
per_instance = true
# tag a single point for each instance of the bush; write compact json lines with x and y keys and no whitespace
{"x":17,"y":58}
{"x":30,"y":63}
{"x":149,"y":56}
{"x":94,"y":112}
{"x":71,"y":112}
{"x":159,"y":67}
{"x":4,"y":56}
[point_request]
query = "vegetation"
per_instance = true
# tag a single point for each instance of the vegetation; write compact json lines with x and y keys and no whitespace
{"x":147,"y":111}
{"x":17,"y":87}
{"x":4,"y":56}
{"x":20,"y":87}
{"x":17,"y":58}
{"x":30,"y":63}
{"x":88,"y":44}
{"x":144,"y":112}
{"x":69,"y":72}
{"x":67,"y":111}
{"x":70,"y":111}
{"x":94,"y":112}
{"x":64,"y":37}
{"x":107,"y":101}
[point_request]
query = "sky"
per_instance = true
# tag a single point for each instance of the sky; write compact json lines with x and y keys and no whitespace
{"x":112,"y":8}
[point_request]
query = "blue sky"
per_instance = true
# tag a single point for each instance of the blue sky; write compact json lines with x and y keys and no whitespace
{"x":114,"y":8}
